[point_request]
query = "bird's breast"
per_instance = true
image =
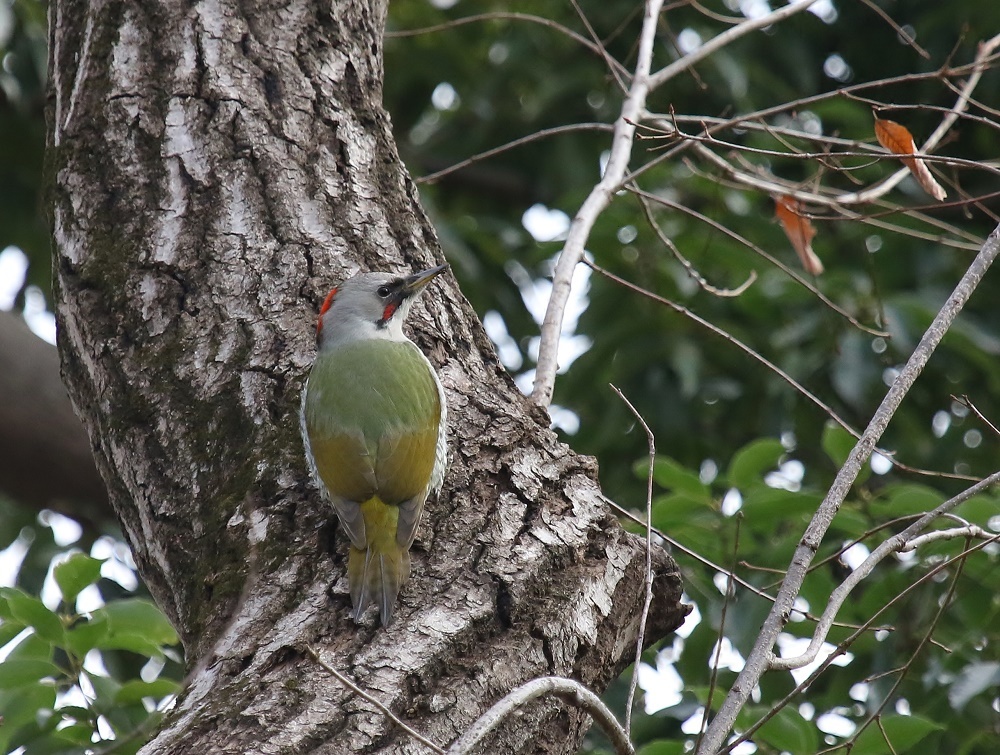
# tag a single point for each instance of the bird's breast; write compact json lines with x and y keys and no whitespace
{"x":372,"y":412}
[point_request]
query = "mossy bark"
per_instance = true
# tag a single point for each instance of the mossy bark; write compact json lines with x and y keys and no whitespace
{"x":214,"y":168}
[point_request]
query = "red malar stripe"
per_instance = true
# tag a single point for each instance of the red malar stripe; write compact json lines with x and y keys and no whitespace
{"x":323,"y":310}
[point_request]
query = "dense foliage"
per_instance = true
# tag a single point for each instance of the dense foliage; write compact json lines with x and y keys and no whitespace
{"x":743,"y":458}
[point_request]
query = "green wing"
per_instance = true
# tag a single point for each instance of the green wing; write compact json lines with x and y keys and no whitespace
{"x":372,"y":413}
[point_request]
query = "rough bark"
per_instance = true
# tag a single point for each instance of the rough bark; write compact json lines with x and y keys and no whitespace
{"x":215,"y":168}
{"x":47,"y":461}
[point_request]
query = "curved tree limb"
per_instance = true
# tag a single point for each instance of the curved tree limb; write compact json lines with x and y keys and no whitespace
{"x":902,"y":541}
{"x":567,"y":689}
{"x":596,"y":201}
{"x":761,"y":655}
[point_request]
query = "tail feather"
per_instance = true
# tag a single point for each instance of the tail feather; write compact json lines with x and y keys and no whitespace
{"x":377,"y":572}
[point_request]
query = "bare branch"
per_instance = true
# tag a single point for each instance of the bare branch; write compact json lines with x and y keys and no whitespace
{"x":586,"y":216}
{"x":756,"y":249}
{"x":967,"y":402}
{"x":613,"y":65}
{"x":842,"y":648}
{"x":508,"y":16}
{"x":985,"y":50}
{"x":771,"y":366}
{"x":685,"y":262}
{"x":729,"y":36}
{"x":532,"y":137}
{"x":767,"y":182}
{"x":651,"y":442}
{"x":374,"y":701}
{"x":744,"y":120}
{"x":969,"y":532}
{"x":761,"y":654}
{"x":898,"y":29}
{"x":568,"y":690}
{"x":902,"y":541}
{"x":905,"y":668}
{"x":714,"y":677}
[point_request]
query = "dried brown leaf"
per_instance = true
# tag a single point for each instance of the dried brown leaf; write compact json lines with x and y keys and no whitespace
{"x":897,"y":139}
{"x":799,"y":230}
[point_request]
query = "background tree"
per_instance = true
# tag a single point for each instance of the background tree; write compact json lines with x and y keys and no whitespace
{"x":737,"y":437}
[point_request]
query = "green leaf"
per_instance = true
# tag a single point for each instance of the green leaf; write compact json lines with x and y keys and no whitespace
{"x":19,"y":672}
{"x":32,"y":647}
{"x":9,"y":629}
{"x":87,"y":635}
{"x":671,"y":511}
{"x":768,"y":508}
{"x":135,"y":690}
{"x":36,"y":736}
{"x":903,"y":731}
{"x":77,"y":713}
{"x":135,"y":623}
{"x":74,"y":738}
{"x":979,"y":508}
{"x":673,"y":476}
{"x":906,"y":499}
{"x":662,"y":747}
{"x":32,"y":612}
{"x":20,"y":707}
{"x":75,"y":573}
{"x":850,"y":523}
{"x":838,"y":444}
{"x":788,"y":731}
{"x":753,"y":461}
{"x":105,"y":691}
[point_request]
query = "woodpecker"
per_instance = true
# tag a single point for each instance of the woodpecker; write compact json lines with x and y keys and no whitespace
{"x":373,"y":426}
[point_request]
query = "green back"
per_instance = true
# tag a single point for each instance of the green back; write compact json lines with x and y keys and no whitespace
{"x":372,"y":412}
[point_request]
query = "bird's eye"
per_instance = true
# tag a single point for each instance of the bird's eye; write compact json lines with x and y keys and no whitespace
{"x":384,"y":291}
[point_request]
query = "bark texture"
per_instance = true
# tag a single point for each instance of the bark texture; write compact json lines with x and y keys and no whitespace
{"x":215,"y":168}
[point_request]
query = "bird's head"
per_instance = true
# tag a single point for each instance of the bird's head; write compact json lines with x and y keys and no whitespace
{"x":370,"y":305}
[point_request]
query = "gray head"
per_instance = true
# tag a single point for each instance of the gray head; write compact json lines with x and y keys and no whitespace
{"x":370,"y":305}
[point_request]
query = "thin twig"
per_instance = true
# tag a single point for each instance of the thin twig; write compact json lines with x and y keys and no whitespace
{"x":904,"y":670}
{"x":727,"y":37}
{"x":796,"y":385}
{"x":613,"y":65}
{"x":761,"y":655}
{"x":842,"y":647}
{"x":729,"y":574}
{"x":758,"y":250}
{"x":598,"y":199}
{"x":898,"y":29}
{"x":985,"y":50}
{"x":374,"y":701}
{"x":894,"y":544}
{"x":647,"y":601}
{"x":742,"y":120}
{"x":506,"y":16}
{"x":965,"y":401}
{"x":869,"y":217}
{"x":568,"y":690}
{"x":714,"y":677}
{"x":535,"y":136}
{"x":969,"y":532}
{"x":686,"y":263}
{"x":881,"y":728}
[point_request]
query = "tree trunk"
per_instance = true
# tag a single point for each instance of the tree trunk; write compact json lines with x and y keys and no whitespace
{"x":215,"y":168}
